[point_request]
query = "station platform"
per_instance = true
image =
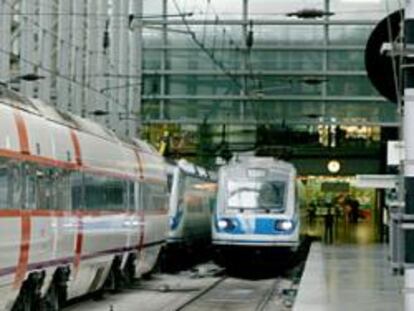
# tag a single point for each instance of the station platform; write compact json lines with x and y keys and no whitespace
{"x":343,"y":277}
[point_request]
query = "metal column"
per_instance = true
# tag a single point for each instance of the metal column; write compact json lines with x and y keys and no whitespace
{"x":77,"y":51}
{"x":46,"y":50}
{"x":164,"y":55}
{"x":133,"y":117}
{"x":5,"y":39}
{"x":92,"y":43}
{"x":246,"y":55}
{"x":408,"y":127}
{"x":125,"y":52}
{"x":64,"y":45}
{"x":325,"y":60}
{"x":27,"y":45}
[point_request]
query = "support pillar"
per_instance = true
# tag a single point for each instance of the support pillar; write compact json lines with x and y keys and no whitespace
{"x":408,"y":128}
{"x":133,"y":117}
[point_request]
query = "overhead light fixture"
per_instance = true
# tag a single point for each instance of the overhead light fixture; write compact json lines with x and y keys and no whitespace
{"x":334,"y":166}
{"x":313,"y":115}
{"x":310,"y":13}
{"x":99,"y":113}
{"x":314,"y":80}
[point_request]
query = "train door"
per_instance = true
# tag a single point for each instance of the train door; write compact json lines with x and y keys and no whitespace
{"x":48,"y":191}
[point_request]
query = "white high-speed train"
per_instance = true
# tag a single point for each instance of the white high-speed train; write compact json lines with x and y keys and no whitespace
{"x":193,"y":194}
{"x":257,"y":206}
{"x":79,"y":207}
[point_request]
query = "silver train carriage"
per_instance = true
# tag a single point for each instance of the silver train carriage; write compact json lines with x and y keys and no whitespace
{"x":192,"y":198}
{"x":78,"y":206}
{"x":257,"y":205}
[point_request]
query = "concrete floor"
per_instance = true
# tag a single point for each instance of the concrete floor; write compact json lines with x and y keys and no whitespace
{"x":349,"y":277}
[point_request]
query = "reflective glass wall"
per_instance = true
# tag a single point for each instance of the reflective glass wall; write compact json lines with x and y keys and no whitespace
{"x":255,"y":61}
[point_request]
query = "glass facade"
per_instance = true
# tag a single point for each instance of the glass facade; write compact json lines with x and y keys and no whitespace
{"x":198,"y":65}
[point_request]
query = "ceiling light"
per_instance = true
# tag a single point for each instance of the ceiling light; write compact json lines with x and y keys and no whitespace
{"x":310,"y":13}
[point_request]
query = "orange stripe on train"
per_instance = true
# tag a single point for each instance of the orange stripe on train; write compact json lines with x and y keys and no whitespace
{"x":24,"y":250}
{"x":22,"y":132}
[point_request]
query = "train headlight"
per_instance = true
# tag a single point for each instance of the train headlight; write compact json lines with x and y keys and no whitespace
{"x":284,"y":225}
{"x":225,"y":224}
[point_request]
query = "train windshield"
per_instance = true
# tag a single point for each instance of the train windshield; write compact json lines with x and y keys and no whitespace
{"x":266,"y":195}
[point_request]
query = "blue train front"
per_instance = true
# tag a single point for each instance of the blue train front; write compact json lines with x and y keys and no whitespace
{"x":257,"y":205}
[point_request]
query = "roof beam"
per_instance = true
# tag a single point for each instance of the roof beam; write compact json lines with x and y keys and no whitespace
{"x":261,"y":22}
{"x":283,"y":73}
{"x":273,"y":98}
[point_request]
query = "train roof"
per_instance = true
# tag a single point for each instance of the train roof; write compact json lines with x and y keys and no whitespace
{"x":38,"y":107}
{"x":191,"y":169}
{"x":260,"y":162}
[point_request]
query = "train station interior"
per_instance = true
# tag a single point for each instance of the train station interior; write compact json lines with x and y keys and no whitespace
{"x":122,"y":119}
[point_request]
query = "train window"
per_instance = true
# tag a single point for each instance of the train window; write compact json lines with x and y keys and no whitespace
{"x":15,"y":185}
{"x":104,"y":193}
{"x":170,"y":179}
{"x":4,"y":187}
{"x":114,"y":192}
{"x":45,"y":189}
{"x":95,"y":198}
{"x":30,"y":193}
{"x":53,"y":189}
{"x":131,"y":195}
{"x":62,"y":188}
{"x":154,"y":196}
{"x":267,"y":195}
{"x":76,"y":183}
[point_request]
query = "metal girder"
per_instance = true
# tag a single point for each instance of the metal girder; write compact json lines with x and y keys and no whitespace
{"x":260,"y":22}
{"x":257,"y":48}
{"x":254,"y":122}
{"x":27,"y":45}
{"x":64,"y":45}
{"x":46,"y":50}
{"x":133,"y":106}
{"x":274,"y":98}
{"x":283,"y":73}
{"x":5,"y":39}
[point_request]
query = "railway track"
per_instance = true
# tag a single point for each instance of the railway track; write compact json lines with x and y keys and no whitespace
{"x":234,"y":294}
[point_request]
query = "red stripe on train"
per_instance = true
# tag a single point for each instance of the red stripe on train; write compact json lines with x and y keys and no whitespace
{"x":59,"y":214}
{"x":76,"y":147}
{"x":21,"y":268}
{"x":22,"y":132}
{"x":78,"y":245}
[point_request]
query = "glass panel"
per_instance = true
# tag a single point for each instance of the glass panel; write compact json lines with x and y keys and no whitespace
{"x":256,"y":195}
{"x":152,"y":7}
{"x":267,"y":9}
{"x":349,"y":35}
{"x":346,"y":60}
{"x":367,"y":9}
{"x":30,"y":187}
{"x":4,"y":185}
{"x":76,"y":181}
{"x":154,"y":196}
{"x":16,"y":185}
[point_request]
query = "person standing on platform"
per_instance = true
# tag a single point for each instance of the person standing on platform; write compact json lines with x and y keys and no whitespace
{"x":354,"y":203}
{"x":329,"y":224}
